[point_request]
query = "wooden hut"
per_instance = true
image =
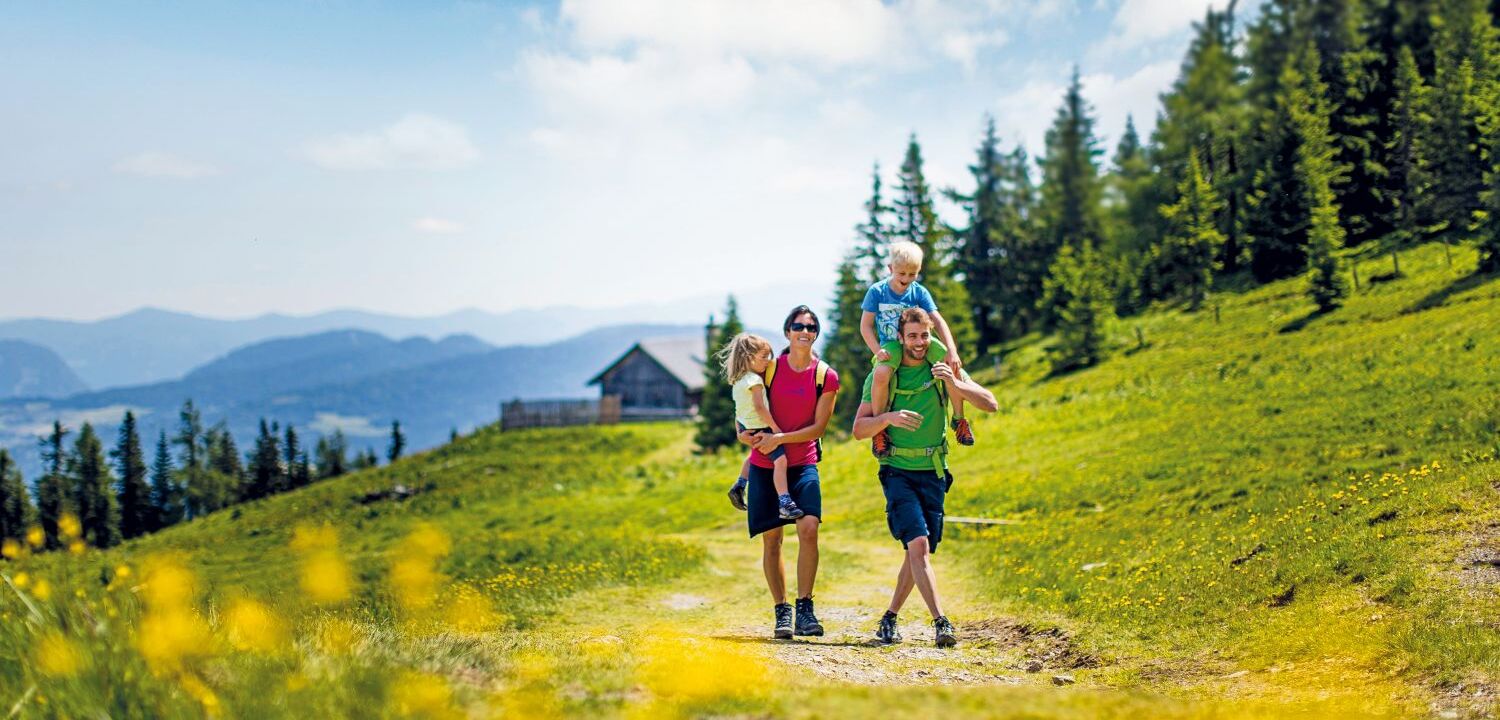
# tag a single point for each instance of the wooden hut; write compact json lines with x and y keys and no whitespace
{"x":656,"y":378}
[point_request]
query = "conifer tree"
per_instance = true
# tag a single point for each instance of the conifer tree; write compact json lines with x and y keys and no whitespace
{"x":1071,"y":209}
{"x":92,"y":490}
{"x":332,"y":455}
{"x":53,"y":490}
{"x":1078,"y":291}
{"x":1205,"y":112}
{"x":1188,"y":257}
{"x":365,"y":460}
{"x":16,"y":512}
{"x":193,"y":472}
{"x":265,"y":469}
{"x":1274,"y":217}
{"x":874,"y":233}
{"x":299,"y":472}
{"x":1352,"y":44}
{"x":716,"y":408}
{"x":1410,"y":179}
{"x":137,"y":516}
{"x":224,"y":457}
{"x":977,"y":253}
{"x":166,"y":493}
{"x":917,"y":221}
{"x":1133,"y":218}
{"x":1316,"y":173}
{"x":1489,"y":229}
{"x":845,"y":348}
{"x":1024,"y":258}
{"x":397,"y":445}
{"x":1462,"y":70}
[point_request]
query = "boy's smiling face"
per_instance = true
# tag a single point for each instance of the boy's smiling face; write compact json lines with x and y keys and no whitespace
{"x":902,"y":276}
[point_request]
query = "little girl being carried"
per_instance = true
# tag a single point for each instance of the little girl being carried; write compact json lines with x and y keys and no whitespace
{"x":744,"y":360}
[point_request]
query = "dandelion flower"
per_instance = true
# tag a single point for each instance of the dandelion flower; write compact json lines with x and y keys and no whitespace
{"x":68,"y":526}
{"x":253,"y":627}
{"x":35,"y":537}
{"x":11,"y":549}
{"x":58,"y":656}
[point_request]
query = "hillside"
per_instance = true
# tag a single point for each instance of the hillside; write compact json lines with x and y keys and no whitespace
{"x":1274,"y":514}
{"x":28,"y":370}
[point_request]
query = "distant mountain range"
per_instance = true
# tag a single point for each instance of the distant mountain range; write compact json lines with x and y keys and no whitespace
{"x":31,"y":370}
{"x":152,"y":345}
{"x":352,"y":380}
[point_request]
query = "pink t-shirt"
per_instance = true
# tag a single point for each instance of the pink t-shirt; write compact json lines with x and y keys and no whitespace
{"x":794,"y":405}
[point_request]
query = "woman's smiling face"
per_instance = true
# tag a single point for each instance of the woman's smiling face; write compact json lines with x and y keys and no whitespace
{"x":803,"y":331}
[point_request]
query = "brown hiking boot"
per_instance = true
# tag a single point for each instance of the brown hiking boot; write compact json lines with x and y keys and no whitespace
{"x":881,"y":444}
{"x":962,"y":431}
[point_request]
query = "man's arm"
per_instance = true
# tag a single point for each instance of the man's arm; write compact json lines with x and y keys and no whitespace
{"x":867,"y":423}
{"x":972,"y":392}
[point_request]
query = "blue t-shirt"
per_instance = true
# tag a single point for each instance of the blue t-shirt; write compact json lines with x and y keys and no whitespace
{"x":887,"y":306}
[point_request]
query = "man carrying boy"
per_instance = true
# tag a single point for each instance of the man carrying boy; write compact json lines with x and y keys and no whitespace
{"x":914,"y":475}
{"x":883,"y":305}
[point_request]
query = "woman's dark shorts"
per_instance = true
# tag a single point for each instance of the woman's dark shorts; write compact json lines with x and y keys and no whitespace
{"x":914,"y":503}
{"x":765,"y":510}
{"x":777,"y":454}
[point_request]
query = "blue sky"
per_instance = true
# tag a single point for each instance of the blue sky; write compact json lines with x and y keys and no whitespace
{"x":230,"y":159}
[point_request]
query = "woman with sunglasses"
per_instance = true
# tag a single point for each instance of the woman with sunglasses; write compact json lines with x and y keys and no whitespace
{"x":801,"y":395}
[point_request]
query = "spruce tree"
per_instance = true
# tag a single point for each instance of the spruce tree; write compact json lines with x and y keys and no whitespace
{"x":874,"y":233}
{"x":1204,"y":112}
{"x":224,"y":459}
{"x":1024,"y":258}
{"x":1133,"y":217}
{"x":53,"y":490}
{"x":92,"y":490}
{"x":397,"y":445}
{"x":137,"y":516}
{"x":166,"y":493}
{"x":1353,"y":44}
{"x":1316,"y":173}
{"x":1078,"y":292}
{"x":1274,"y":218}
{"x":716,"y":408}
{"x":977,"y":257}
{"x":1410,"y":124}
{"x":1489,"y":229}
{"x":265,"y":471}
{"x":917,"y":221}
{"x":1188,"y":256}
{"x":845,"y":348}
{"x":16,"y":512}
{"x":332,"y":452}
{"x":1462,"y":71}
{"x":1071,"y":186}
{"x":299,"y":472}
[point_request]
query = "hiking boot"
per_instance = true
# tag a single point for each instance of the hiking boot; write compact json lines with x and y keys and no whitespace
{"x":789,"y":509}
{"x":887,"y":632}
{"x":881,"y":444}
{"x":784,"y":621}
{"x":737,"y":495}
{"x":943,"y":632}
{"x":962,"y":432}
{"x":807,"y":622}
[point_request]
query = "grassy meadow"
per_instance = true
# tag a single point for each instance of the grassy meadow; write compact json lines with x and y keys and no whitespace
{"x":1254,"y":512}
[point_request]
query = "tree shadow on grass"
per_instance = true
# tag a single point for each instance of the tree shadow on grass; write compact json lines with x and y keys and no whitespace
{"x":1440,"y":296}
{"x":1302,"y":322}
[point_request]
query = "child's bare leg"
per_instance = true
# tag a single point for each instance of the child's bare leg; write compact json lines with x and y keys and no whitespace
{"x":778,"y":476}
{"x":958,"y":407}
{"x":880,"y":388}
{"x":745,"y":469}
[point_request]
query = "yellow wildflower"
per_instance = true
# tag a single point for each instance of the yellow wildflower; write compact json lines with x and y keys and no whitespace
{"x":42,"y":590}
{"x":57,"y":655}
{"x":11,"y":549}
{"x":253,"y":627}
{"x":68,"y":526}
{"x":325,"y":576}
{"x":422,"y":695}
{"x":77,"y":547}
{"x":35,"y":537}
{"x":21,"y":580}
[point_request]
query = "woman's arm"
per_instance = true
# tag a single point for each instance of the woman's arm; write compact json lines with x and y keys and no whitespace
{"x":811,"y":432}
{"x":758,"y":398}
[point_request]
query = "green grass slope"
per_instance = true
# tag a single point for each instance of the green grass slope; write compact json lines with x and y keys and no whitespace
{"x":1267,"y":514}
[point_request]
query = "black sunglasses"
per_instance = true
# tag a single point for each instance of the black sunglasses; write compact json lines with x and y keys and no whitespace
{"x":803,"y":327}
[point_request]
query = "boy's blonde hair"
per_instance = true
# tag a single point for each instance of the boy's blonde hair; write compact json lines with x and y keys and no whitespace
{"x":906,"y":254}
{"x":736,"y":355}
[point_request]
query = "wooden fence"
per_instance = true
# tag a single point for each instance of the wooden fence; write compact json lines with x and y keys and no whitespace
{"x":557,"y":413}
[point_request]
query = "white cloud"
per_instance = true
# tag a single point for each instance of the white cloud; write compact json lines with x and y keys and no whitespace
{"x":436,"y":226}
{"x":416,"y":141}
{"x":1139,"y":22}
{"x":163,"y":165}
{"x":1025,"y":114}
{"x":645,"y":85}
